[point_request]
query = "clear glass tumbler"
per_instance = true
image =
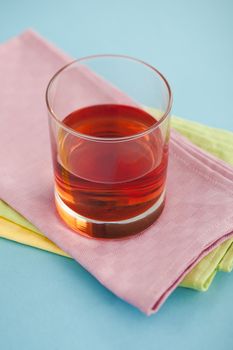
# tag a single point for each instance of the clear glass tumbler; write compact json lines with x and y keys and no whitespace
{"x":109,"y":129}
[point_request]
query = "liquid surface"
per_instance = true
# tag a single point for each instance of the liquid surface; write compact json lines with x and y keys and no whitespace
{"x":109,"y":180}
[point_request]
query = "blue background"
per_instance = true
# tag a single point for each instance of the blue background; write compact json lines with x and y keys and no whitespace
{"x":50,"y":302}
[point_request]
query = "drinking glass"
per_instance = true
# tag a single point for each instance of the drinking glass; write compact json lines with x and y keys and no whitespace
{"x":109,"y":130}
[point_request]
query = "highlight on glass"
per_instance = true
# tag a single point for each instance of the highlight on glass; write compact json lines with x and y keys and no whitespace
{"x":109,"y":129}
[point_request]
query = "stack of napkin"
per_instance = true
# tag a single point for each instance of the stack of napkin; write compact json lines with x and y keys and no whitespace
{"x":188,"y":243}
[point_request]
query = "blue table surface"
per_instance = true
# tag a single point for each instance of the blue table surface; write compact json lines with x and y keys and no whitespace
{"x":50,"y":302}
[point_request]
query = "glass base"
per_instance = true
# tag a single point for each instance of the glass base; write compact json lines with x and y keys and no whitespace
{"x":112,"y":229}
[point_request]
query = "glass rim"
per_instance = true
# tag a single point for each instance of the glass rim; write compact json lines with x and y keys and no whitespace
{"x":108,"y":139}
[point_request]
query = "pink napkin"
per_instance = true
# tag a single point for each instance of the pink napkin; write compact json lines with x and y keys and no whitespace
{"x":142,"y":270}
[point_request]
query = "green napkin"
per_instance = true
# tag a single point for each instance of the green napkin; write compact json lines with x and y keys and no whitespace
{"x":216,"y":141}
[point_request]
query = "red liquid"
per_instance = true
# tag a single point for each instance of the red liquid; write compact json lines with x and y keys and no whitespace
{"x":110,"y":181}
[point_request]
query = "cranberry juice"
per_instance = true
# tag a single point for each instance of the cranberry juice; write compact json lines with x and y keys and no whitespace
{"x":107,"y":177}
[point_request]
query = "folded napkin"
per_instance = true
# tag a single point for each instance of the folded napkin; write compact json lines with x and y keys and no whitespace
{"x":219,"y":142}
{"x":142,"y":270}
